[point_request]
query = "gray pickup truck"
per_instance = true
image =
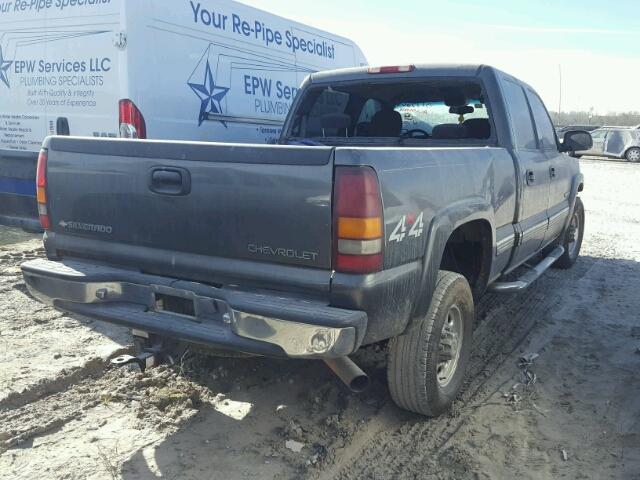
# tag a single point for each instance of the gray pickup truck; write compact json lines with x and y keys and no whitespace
{"x":395,"y":198}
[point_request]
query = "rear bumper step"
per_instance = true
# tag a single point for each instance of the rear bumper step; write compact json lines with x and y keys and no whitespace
{"x":263,"y":323}
{"x":530,"y":276}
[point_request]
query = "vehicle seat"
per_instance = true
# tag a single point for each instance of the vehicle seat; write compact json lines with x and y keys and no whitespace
{"x":363,"y":129}
{"x":386,"y":123}
{"x":335,"y":124}
{"x":449,"y":131}
{"x":479,"y":128}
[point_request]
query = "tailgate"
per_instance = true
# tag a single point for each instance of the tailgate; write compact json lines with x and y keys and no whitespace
{"x":268,"y":204}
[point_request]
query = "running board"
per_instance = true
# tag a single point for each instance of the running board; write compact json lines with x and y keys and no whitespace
{"x":530,"y":276}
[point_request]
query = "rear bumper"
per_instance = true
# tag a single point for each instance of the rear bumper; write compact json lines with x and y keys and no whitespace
{"x":257,"y":322}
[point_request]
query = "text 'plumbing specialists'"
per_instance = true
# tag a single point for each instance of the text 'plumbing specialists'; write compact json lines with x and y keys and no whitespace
{"x":258,"y":30}
{"x":57,"y":83}
{"x":62,"y":72}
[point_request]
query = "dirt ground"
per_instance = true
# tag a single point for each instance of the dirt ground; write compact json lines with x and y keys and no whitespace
{"x":572,"y":412}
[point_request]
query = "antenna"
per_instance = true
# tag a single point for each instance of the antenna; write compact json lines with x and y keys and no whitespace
{"x":560,"y":93}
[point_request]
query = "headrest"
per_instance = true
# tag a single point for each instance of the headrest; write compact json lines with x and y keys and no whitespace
{"x":449,"y":131}
{"x":462,"y":110}
{"x":478,"y":127}
{"x":335,"y":120}
{"x":386,"y":123}
{"x":454,"y":98}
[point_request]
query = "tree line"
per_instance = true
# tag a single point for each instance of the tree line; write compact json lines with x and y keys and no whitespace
{"x":622,"y":119}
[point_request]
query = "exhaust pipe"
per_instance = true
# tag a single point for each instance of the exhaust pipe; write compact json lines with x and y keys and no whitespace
{"x":347,"y":371}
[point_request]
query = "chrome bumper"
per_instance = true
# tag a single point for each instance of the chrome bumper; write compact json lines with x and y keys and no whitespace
{"x":234,"y":319}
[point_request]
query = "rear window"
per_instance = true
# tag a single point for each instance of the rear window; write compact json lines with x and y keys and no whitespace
{"x":443,"y":110}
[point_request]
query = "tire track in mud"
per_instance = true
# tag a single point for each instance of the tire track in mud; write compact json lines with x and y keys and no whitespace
{"x":11,"y":257}
{"x":68,"y":378}
{"x":43,"y":351}
{"x":412,"y":446}
{"x":98,"y":422}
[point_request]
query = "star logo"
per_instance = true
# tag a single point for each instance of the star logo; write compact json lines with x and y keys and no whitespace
{"x":4,"y":67}
{"x":210,"y":95}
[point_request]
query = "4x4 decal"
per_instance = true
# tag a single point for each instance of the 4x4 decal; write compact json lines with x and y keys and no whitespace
{"x":416,"y":228}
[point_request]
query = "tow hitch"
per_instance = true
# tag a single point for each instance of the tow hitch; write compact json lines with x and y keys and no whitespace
{"x":151,"y":352}
{"x":144,"y":360}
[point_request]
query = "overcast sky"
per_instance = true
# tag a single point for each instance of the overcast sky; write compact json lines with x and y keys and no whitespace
{"x":597,"y":43}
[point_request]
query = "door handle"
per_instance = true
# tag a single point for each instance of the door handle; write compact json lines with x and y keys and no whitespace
{"x":170,"y":181}
{"x":552,"y":172}
{"x":531,"y":177}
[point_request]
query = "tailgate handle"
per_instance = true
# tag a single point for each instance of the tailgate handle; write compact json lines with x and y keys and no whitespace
{"x":170,"y":181}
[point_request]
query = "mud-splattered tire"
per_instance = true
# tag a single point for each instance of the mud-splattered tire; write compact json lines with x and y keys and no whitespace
{"x":573,"y":238}
{"x":420,"y":377}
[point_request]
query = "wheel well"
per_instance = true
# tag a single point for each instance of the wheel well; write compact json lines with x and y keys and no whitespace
{"x":468,"y":252}
{"x":630,"y":148}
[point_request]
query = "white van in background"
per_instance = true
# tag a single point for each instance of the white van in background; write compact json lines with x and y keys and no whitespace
{"x":210,"y":70}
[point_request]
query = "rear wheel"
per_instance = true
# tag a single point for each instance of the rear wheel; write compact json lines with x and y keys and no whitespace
{"x":633,"y":154}
{"x":573,"y":238}
{"x":427,"y":364}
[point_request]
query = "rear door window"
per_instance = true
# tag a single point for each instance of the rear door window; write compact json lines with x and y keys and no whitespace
{"x":616,"y":141}
{"x":520,"y":116}
{"x":546,"y":134}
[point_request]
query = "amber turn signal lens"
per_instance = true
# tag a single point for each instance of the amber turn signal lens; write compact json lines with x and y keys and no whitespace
{"x":359,"y":228}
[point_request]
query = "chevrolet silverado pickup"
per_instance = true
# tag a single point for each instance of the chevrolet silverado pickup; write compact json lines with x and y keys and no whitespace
{"x":395,"y":198}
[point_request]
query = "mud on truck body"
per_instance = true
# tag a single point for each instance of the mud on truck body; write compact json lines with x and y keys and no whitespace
{"x":395,"y":198}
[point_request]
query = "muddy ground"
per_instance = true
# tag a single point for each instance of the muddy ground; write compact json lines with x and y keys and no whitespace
{"x":574,"y":412}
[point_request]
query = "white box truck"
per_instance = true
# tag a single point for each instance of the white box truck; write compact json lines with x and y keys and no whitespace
{"x":210,"y":70}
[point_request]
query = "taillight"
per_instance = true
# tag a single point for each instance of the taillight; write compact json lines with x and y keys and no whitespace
{"x":358,"y":223}
{"x":392,"y":69}
{"x":132,"y":124}
{"x":41,"y":190}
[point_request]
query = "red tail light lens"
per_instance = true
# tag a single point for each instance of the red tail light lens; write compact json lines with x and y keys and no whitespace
{"x":132,"y":124}
{"x":358,"y":223}
{"x":41,"y":171}
{"x":41,"y":190}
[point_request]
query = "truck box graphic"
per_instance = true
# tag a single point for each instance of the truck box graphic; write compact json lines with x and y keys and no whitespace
{"x":238,"y":86}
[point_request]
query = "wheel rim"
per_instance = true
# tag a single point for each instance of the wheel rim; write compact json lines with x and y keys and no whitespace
{"x":450,"y":346}
{"x":634,"y":155}
{"x":574,"y":234}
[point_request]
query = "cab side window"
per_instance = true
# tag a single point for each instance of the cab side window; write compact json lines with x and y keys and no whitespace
{"x":520,"y":117}
{"x":546,"y":133}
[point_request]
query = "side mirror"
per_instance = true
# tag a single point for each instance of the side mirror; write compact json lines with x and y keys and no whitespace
{"x":576,"y":141}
